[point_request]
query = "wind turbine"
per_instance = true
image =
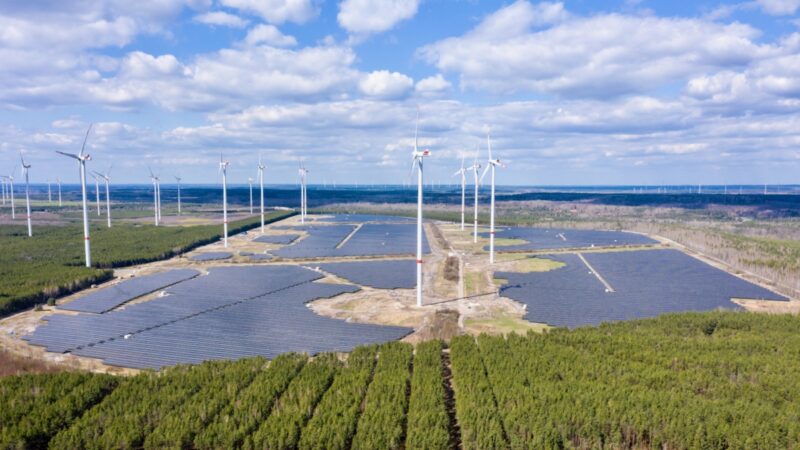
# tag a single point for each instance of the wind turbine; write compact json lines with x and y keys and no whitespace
{"x":82,"y":158}
{"x":250,"y":182}
{"x":10,"y":179}
{"x":156,"y":196}
{"x":58,"y":180}
{"x":25,"y":168}
{"x":178,"y":180}
{"x":97,"y":192}
{"x":416,"y":163}
{"x":3,"y":187}
{"x":261,"y":168}
{"x":223,"y":168}
{"x":463,"y":172}
{"x":303,"y":173}
{"x":475,"y":169}
{"x":493,"y":163}
{"x":49,"y":193}
{"x":107,"y":178}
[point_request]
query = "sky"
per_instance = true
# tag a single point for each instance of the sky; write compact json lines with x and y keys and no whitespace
{"x":644,"y":92}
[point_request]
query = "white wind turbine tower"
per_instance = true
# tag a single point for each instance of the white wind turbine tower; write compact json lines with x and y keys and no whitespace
{"x":250,"y":182}
{"x":58,"y":180}
{"x":49,"y":193}
{"x":261,"y":168}
{"x":156,"y":197}
{"x":223,"y":168}
{"x":178,"y":180}
{"x":25,"y":168}
{"x":475,"y":168}
{"x":463,"y":172}
{"x":3,"y":187}
{"x":303,"y":173}
{"x":97,"y":192}
{"x":416,"y":163}
{"x":10,"y":179}
{"x":493,"y":163}
{"x":82,"y":158}
{"x":107,"y":178}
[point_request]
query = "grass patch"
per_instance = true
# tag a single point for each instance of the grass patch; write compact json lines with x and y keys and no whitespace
{"x":504,"y":325}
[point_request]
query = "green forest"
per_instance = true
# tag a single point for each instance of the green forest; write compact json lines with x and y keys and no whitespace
{"x":51,"y":264}
{"x":716,"y":380}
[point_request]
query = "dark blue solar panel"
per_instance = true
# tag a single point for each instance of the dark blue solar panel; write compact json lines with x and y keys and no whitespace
{"x":362,"y":218}
{"x":211,"y":256}
{"x":396,"y":274}
{"x":260,"y":257}
{"x":231,"y":313}
{"x":553,"y":238}
{"x":372,"y":239}
{"x":282,"y":239}
{"x":646,"y":283}
{"x":110,"y":297}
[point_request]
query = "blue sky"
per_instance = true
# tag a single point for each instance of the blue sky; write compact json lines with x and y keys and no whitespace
{"x":584,"y":92}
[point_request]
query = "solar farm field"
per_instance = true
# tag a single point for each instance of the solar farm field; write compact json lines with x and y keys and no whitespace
{"x":368,"y":239}
{"x":612,"y":286}
{"x":712,"y":380}
{"x":558,"y":238}
{"x":51,"y":265}
{"x":233,"y":312}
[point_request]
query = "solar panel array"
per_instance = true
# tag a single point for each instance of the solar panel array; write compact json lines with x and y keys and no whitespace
{"x":281,"y":239}
{"x":646,"y":283}
{"x":260,"y":257}
{"x":231,"y":313}
{"x":372,"y":239}
{"x":211,"y":256}
{"x":117,"y":294}
{"x":394,"y":274}
{"x":362,"y":218}
{"x":556,"y":238}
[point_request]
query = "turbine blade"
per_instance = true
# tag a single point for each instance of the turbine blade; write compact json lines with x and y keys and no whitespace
{"x":85,"y":138}
{"x":68,"y":154}
{"x":485,"y":171}
{"x":416,"y":130}
{"x":489,"y":143}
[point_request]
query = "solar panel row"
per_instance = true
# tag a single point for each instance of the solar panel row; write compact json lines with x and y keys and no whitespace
{"x":281,"y":239}
{"x":555,"y":238}
{"x":211,"y":256}
{"x":395,"y":274}
{"x":110,"y":297}
{"x":646,"y":283}
{"x":362,"y":218}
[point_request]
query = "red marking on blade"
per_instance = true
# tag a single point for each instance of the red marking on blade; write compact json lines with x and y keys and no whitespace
{"x":491,"y":232}
{"x":86,"y":238}
{"x":419,"y":261}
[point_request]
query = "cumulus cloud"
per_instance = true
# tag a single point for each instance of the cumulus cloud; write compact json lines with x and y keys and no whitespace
{"x":374,"y":16}
{"x":434,"y":85}
{"x":385,"y":84}
{"x":276,"y":11}
{"x":599,"y":56}
{"x":221,"y":18}
{"x":779,"y":7}
{"x":270,"y":35}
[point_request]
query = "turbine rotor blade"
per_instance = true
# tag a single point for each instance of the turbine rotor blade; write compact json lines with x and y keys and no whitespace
{"x":85,"y":138}
{"x":485,"y":171}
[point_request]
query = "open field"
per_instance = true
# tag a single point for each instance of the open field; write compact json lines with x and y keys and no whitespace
{"x":710,"y":380}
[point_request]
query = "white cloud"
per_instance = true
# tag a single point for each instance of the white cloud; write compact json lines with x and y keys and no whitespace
{"x":385,"y":84}
{"x":269,"y":34}
{"x":221,"y":18}
{"x":779,"y":7}
{"x":598,"y":56}
{"x":434,"y":85}
{"x":276,"y":11}
{"x":374,"y":16}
